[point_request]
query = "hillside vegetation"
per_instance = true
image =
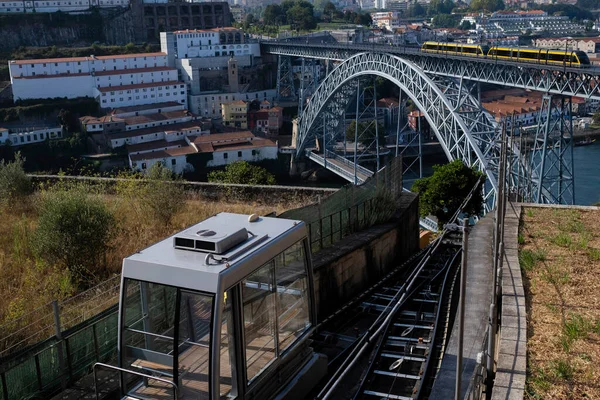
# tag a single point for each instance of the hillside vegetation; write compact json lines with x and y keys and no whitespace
{"x":56,"y":242}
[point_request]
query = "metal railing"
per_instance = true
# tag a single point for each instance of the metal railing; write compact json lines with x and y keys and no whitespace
{"x":136,"y":373}
{"x":325,"y":231}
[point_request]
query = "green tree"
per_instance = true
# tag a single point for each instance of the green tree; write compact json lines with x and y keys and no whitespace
{"x":486,"y":5}
{"x":596,"y":117}
{"x":366,"y":132}
{"x":300,"y":16}
{"x":163,"y":196}
{"x":442,"y":193}
{"x":444,"y":21}
{"x":242,"y":172}
{"x":74,"y":230}
{"x":274,"y":15}
{"x":416,"y":10}
{"x":465,"y":25}
{"x":14,"y":184}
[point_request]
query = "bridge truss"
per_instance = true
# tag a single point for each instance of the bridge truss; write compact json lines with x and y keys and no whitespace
{"x":464,"y":130}
{"x":444,"y":89}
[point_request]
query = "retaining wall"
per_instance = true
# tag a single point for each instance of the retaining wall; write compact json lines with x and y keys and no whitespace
{"x":260,"y":193}
{"x":361,"y":259}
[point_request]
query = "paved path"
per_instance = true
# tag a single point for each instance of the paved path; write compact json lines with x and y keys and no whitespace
{"x":478,"y":297}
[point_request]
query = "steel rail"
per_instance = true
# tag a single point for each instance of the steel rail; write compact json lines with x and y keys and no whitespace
{"x":367,"y":339}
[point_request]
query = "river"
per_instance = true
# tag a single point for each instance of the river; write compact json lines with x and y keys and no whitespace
{"x":587,"y":174}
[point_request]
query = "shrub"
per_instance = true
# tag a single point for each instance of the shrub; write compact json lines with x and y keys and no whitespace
{"x":74,"y":230}
{"x":162,"y":196}
{"x":244,"y":173}
{"x":14,"y":184}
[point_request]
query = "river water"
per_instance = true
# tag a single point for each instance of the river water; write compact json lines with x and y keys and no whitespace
{"x":587,"y":174}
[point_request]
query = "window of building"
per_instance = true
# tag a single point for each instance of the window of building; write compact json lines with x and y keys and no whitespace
{"x":173,"y":161}
{"x":239,"y":154}
{"x":225,"y":155}
{"x":143,"y":165}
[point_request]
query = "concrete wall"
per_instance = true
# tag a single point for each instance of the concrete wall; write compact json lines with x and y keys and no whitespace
{"x":358,"y":261}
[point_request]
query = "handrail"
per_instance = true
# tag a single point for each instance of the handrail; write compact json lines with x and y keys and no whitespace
{"x":107,"y":366}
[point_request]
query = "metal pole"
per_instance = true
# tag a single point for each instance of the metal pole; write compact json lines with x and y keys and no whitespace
{"x":356,"y":132}
{"x":420,"y":145}
{"x":376,"y":122}
{"x":59,"y":344}
{"x":461,"y":309}
{"x":398,"y":125}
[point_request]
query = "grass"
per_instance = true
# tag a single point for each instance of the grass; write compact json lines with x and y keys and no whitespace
{"x":560,"y":260}
{"x":27,"y":283}
{"x":529,"y":258}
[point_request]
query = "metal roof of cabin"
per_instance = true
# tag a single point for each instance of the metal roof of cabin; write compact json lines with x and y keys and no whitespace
{"x":163,"y":263}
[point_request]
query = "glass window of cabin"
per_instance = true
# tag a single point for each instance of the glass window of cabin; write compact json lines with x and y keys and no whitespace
{"x":228,"y":376}
{"x":195,"y":314}
{"x":292,"y":295}
{"x":258,"y":297}
{"x":148,"y":327}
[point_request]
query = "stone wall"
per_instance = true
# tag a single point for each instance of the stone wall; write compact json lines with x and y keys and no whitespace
{"x":259,"y":193}
{"x":359,"y":260}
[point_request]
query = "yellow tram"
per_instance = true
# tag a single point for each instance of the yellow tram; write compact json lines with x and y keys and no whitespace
{"x":518,"y":54}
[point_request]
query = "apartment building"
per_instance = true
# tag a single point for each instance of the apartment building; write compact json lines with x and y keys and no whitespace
{"x":19,"y":134}
{"x":588,"y":45}
{"x":223,"y":148}
{"x":114,"y":81}
{"x":50,"y":6}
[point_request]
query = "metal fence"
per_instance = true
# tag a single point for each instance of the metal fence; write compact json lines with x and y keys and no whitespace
{"x":39,"y":324}
{"x":61,"y":359}
{"x":57,"y":343}
{"x":349,"y":209}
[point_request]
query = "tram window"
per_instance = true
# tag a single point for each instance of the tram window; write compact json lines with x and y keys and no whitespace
{"x":148,"y":327}
{"x":528,"y":55}
{"x":292,"y":294}
{"x":227,"y":352}
{"x":195,"y":314}
{"x":258,"y":298}
{"x":557,"y":57}
{"x":503,"y":53}
{"x":469,"y":50}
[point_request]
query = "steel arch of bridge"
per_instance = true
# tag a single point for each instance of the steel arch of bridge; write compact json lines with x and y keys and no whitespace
{"x":464,"y":130}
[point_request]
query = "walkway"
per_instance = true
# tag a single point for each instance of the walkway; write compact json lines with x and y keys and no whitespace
{"x":478,"y":297}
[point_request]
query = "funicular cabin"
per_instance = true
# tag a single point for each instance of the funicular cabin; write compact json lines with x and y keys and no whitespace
{"x":222,"y":310}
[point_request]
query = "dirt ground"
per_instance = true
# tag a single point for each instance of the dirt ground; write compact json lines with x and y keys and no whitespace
{"x":560,"y":259}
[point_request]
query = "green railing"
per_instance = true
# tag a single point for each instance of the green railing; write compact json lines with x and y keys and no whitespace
{"x":50,"y":365}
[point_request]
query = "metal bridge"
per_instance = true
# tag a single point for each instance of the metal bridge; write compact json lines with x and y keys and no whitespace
{"x":445,"y":88}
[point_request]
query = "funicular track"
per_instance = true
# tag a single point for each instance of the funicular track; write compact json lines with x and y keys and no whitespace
{"x":397,"y":328}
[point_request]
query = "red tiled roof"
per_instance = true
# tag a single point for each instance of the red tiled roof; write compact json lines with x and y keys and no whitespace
{"x":155,"y":145}
{"x":157,"y":129}
{"x":153,"y":155}
{"x":89,"y":58}
{"x":49,"y":60}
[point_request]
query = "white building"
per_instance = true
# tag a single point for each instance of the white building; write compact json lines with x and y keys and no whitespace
{"x":22,"y":135}
{"x":114,"y":81}
{"x":209,"y":105}
{"x":225,"y":148}
{"x":389,"y":20}
{"x":50,"y":6}
{"x":218,"y":42}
